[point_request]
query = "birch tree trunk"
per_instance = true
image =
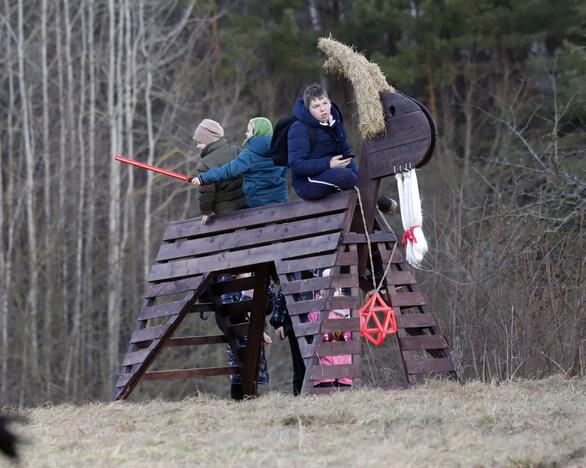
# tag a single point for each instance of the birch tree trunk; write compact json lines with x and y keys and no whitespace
{"x":129,"y":223}
{"x":50,"y":263}
{"x":33,"y":293}
{"x":5,"y":270}
{"x":114,"y":257}
{"x":150,"y":146}
{"x":62,"y":251}
{"x":3,"y":293}
{"x":92,"y":192}
{"x":75,"y":354}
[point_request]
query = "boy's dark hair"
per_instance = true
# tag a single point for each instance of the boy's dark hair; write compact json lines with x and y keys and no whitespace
{"x":313,"y":91}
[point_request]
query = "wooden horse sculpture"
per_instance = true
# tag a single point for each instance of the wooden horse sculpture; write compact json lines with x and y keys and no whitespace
{"x":287,"y":241}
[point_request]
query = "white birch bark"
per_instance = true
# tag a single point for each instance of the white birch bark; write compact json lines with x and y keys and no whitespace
{"x":4,"y":272}
{"x":114,"y":255}
{"x":314,"y":15}
{"x":33,"y":293}
{"x":150,"y":145}
{"x":75,"y":354}
{"x":129,"y":217}
{"x":91,"y":186}
{"x":48,"y":292}
{"x":62,"y":251}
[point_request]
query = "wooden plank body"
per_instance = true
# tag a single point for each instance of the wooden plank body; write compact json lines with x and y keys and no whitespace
{"x":288,"y":241}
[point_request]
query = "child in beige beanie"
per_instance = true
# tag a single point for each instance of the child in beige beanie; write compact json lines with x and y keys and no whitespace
{"x":216,"y":151}
{"x":207,"y":132}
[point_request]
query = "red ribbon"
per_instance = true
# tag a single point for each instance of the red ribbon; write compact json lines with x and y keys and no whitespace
{"x":409,"y":235}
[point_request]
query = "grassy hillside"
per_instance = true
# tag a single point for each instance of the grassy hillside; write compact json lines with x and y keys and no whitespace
{"x":520,"y":424}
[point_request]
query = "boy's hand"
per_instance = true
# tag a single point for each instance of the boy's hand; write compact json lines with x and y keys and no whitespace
{"x":266,"y":338}
{"x":206,"y":218}
{"x":337,"y":161}
{"x":196,"y":181}
{"x":280,"y":332}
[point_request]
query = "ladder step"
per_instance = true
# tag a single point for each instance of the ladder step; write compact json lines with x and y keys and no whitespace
{"x":196,"y":340}
{"x":334,"y":348}
{"x":327,"y":326}
{"x":148,"y":334}
{"x":335,"y":372}
{"x":401,"y":278}
{"x":356,"y":238}
{"x":328,"y":390}
{"x":416,"y":320}
{"x":123,"y":379}
{"x":414,"y":343}
{"x":186,"y":373}
{"x":136,"y":357}
{"x":409,"y":299}
{"x":161,"y":310}
{"x":429,"y":366}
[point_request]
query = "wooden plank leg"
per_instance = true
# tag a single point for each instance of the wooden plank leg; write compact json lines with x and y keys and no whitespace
{"x":310,"y":334}
{"x":417,"y":339}
{"x":256,"y":326}
{"x":138,"y":361}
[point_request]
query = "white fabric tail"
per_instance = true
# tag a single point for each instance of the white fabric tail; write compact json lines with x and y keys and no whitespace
{"x":412,"y":218}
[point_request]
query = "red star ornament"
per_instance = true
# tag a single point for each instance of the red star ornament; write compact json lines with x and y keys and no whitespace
{"x":377,"y":320}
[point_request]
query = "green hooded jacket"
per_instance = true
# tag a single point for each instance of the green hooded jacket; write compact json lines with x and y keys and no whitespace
{"x":220,"y":197}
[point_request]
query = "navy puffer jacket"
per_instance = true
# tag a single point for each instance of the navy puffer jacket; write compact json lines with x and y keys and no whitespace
{"x":263,"y":183}
{"x":306,"y":160}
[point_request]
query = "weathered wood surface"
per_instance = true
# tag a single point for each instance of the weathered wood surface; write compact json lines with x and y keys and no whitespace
{"x":309,"y":263}
{"x":319,"y":283}
{"x":251,"y":363}
{"x":333,"y":348}
{"x":415,"y":320}
{"x":324,"y":303}
{"x":328,"y":390}
{"x":257,"y":216}
{"x":252,"y":237}
{"x":417,"y":331}
{"x":327,"y":326}
{"x":423,"y":342}
{"x":139,"y":367}
{"x":334,"y":372}
{"x":172,"y":287}
{"x":429,"y":366}
{"x":161,"y":310}
{"x":196,"y":340}
{"x":258,"y":255}
{"x":187,"y":373}
{"x":409,"y":140}
{"x":355,"y":238}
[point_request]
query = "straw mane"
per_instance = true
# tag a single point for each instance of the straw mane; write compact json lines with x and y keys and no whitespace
{"x":366,"y":78}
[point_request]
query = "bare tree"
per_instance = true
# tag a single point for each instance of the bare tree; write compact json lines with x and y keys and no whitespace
{"x":114,"y":247}
{"x":33,"y":295}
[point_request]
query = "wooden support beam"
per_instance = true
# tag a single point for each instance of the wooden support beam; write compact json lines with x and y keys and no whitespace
{"x":187,"y":373}
{"x":256,"y":328}
{"x":196,"y":340}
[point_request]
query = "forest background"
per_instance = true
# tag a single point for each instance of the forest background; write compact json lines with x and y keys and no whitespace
{"x":503,"y":197}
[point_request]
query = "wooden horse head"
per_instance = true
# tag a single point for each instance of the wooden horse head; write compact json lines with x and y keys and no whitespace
{"x":398,"y":131}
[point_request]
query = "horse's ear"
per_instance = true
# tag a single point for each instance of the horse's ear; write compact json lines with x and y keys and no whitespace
{"x":409,"y":139}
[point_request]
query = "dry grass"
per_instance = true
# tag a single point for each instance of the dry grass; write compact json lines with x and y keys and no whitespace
{"x":367,"y":80}
{"x":520,"y":424}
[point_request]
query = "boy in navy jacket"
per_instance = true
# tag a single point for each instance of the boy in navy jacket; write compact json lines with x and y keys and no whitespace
{"x":318,"y":167}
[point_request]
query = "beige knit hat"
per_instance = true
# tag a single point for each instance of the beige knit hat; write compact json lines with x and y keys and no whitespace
{"x":208,"y":131}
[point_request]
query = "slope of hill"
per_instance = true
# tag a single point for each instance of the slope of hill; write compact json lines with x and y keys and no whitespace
{"x":520,"y":424}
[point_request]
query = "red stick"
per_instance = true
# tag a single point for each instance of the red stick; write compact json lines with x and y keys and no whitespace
{"x":142,"y":165}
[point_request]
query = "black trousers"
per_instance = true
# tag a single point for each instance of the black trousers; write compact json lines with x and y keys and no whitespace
{"x":298,"y":364}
